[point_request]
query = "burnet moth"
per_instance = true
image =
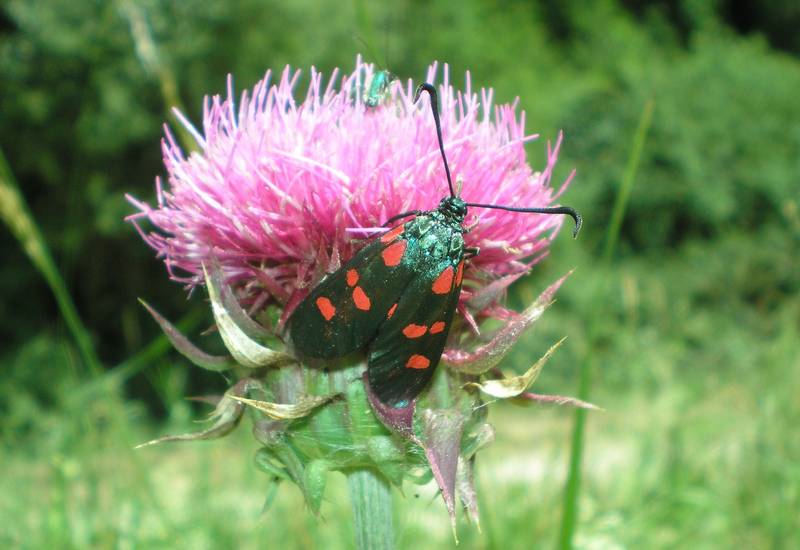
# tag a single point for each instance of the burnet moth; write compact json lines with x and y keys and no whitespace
{"x":396,"y":297}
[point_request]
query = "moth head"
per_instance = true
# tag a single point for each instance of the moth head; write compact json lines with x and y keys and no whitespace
{"x":453,"y":208}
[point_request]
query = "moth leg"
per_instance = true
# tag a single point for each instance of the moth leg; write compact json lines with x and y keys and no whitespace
{"x":471,"y":252}
{"x":403,"y":215}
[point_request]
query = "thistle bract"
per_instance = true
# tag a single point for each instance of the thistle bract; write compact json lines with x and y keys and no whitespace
{"x":282,"y":192}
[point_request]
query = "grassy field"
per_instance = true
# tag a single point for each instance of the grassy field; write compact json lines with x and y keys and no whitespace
{"x":708,"y":466}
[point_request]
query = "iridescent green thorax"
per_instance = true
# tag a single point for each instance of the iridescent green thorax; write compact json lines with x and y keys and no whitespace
{"x":379,"y":88}
{"x":439,"y":237}
{"x":453,"y":209}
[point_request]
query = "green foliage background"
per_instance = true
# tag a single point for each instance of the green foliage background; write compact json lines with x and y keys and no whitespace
{"x":694,"y":352}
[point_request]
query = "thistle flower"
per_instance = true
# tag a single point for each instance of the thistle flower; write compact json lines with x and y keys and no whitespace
{"x":282,"y":193}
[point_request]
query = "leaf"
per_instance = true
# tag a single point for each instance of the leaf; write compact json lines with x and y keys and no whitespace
{"x":212,"y":400}
{"x":288,"y":411}
{"x":465,"y":483}
{"x":512,"y":387}
{"x":475,"y":440}
{"x":315,"y":478}
{"x":492,"y":292}
{"x":559,"y":400}
{"x":217,"y":363}
{"x":266,"y":461}
{"x":245,"y":350}
{"x":489,"y":355}
{"x":270,"y":432}
{"x":442,"y":442}
{"x":226,"y":417}
{"x":232,"y":307}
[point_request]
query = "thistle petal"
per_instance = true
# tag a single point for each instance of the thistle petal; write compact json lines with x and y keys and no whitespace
{"x":244,"y":349}
{"x":287,"y":411}
{"x":465,"y":483}
{"x":560,"y":400}
{"x":270,"y":432}
{"x":388,"y":455}
{"x":242,"y":320}
{"x":483,"y":297}
{"x":441,"y":440}
{"x":226,"y":417}
{"x":217,"y":363}
{"x":272,"y":286}
{"x":315,"y":477}
{"x":477,"y":440}
{"x":512,"y":387}
{"x":489,"y":355}
{"x":268,"y":463}
{"x":292,"y":465}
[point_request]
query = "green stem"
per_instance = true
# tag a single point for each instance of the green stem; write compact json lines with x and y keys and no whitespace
{"x":371,"y":500}
{"x":628,"y":177}
{"x":15,"y":213}
{"x":569,"y":518}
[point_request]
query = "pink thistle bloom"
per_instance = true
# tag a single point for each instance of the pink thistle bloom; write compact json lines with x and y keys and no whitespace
{"x":282,"y":191}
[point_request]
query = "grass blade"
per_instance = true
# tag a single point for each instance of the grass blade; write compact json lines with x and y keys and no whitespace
{"x":569,"y":517}
{"x":15,"y":213}
{"x":154,"y":63}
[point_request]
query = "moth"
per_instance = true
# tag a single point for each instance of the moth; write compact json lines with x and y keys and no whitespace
{"x":396,"y":297}
{"x":379,"y":88}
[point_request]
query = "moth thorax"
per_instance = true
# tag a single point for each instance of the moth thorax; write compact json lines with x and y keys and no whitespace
{"x":453,"y":208}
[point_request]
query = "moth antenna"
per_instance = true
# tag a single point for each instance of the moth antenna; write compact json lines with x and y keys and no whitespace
{"x":566,"y":210}
{"x":370,"y":50}
{"x":435,"y":108}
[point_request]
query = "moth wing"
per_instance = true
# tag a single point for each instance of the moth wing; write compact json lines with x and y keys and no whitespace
{"x":404,"y":354}
{"x":343,"y":312}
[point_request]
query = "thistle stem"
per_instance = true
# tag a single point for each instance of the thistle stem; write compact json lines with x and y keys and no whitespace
{"x":371,"y":500}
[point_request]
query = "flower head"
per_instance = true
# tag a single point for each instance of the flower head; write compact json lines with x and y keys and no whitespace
{"x":281,"y":188}
{"x":282,"y":192}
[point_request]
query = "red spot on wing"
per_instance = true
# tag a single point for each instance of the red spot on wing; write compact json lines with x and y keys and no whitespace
{"x":392,"y":235}
{"x":418,"y":362}
{"x":437,"y":327}
{"x":444,"y":282}
{"x":352,"y":277}
{"x":459,"y":272}
{"x":414,"y":331}
{"x":391,"y":311}
{"x":361,"y":299}
{"x":326,"y":308}
{"x":393,"y":253}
